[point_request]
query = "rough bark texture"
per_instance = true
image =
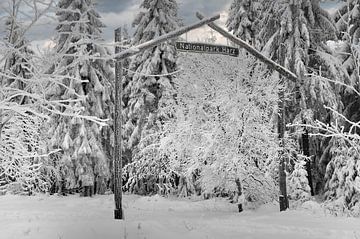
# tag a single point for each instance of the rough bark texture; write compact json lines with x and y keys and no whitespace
{"x":283,"y":199}
{"x":306,"y":152}
{"x":117,"y":152}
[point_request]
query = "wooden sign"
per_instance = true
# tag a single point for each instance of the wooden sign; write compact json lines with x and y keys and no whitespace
{"x":207,"y":48}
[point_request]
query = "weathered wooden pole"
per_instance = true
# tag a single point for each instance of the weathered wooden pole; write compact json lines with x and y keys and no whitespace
{"x":287,"y":74}
{"x":118,"y":212}
{"x":119,"y":56}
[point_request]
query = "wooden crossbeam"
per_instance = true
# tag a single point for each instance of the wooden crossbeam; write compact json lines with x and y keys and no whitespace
{"x":270,"y":63}
{"x":144,"y":46}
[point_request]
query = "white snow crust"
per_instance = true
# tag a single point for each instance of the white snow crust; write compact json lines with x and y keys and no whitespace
{"x":73,"y":217}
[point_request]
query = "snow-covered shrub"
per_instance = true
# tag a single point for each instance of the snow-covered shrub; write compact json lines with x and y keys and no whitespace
{"x":20,"y":149}
{"x":298,"y":185}
{"x":150,"y":171}
{"x":223,"y":127}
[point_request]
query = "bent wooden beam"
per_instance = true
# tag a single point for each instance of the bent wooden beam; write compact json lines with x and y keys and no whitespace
{"x":144,"y":46}
{"x":270,"y":63}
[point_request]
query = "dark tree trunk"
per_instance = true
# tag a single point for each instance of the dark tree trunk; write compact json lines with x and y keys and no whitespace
{"x":118,"y":212}
{"x":283,"y":199}
{"x":88,"y":191}
{"x":306,"y":152}
{"x":239,"y":192}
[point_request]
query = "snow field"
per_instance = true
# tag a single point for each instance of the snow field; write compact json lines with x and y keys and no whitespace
{"x":73,"y":217}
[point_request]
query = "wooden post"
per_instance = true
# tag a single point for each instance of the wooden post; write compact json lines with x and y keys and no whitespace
{"x":118,"y":212}
{"x":119,"y":56}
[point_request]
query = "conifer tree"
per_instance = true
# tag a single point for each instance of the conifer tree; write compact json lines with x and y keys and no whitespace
{"x":243,"y":19}
{"x":347,"y":20}
{"x":146,"y":91}
{"x":293,"y":33}
{"x":299,"y":189}
{"x":87,"y":80}
{"x":342,"y":169}
{"x":342,"y":187}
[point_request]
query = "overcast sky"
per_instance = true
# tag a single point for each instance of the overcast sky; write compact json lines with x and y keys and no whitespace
{"x":116,"y":13}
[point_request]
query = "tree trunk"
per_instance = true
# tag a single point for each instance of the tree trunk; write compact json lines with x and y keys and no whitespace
{"x":118,"y":212}
{"x":283,"y":199}
{"x":306,"y":152}
{"x":183,"y":190}
{"x":240,"y":197}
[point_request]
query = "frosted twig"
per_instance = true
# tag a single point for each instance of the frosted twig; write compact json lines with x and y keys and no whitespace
{"x":334,"y":81}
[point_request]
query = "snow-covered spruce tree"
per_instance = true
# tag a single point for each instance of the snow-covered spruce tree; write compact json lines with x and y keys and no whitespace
{"x":87,"y":77}
{"x":299,"y":189}
{"x":347,"y":20}
{"x":341,"y":158}
{"x":222,"y":130}
{"x":146,"y":93}
{"x":243,"y":19}
{"x":342,"y":189}
{"x":294,"y":34}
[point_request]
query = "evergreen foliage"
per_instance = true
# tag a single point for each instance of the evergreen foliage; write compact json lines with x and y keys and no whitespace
{"x":347,"y":20}
{"x":87,"y":77}
{"x":294,"y":34}
{"x":243,"y":20}
{"x":150,"y":88}
{"x":340,"y":157}
{"x":342,"y":189}
{"x":291,"y":34}
{"x":299,"y":189}
{"x":206,"y":130}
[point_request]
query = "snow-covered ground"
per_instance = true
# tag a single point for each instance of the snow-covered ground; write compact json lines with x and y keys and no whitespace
{"x":72,"y":217}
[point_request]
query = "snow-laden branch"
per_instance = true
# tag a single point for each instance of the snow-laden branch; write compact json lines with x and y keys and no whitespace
{"x":315,"y":76}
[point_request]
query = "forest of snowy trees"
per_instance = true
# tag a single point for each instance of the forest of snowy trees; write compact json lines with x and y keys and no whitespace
{"x":192,"y":124}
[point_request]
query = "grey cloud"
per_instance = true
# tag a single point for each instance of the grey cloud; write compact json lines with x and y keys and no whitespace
{"x":188,"y":8}
{"x":121,"y":12}
{"x":117,"y":13}
{"x":115,"y":5}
